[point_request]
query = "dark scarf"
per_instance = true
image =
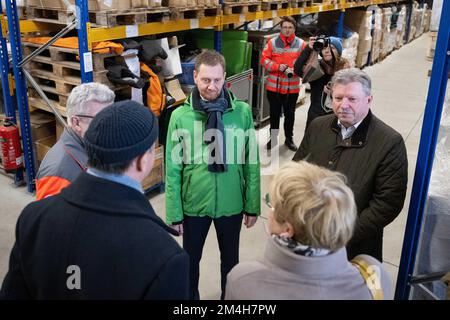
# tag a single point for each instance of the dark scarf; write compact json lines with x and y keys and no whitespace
{"x":217,"y":161}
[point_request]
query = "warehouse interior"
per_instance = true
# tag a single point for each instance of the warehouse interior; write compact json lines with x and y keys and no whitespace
{"x":400,"y":86}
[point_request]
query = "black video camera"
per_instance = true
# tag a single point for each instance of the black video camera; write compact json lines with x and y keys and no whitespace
{"x":321,"y":42}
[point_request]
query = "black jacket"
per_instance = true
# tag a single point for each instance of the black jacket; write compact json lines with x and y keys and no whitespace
{"x":108,"y":230}
{"x":315,"y":109}
{"x":376,"y":166}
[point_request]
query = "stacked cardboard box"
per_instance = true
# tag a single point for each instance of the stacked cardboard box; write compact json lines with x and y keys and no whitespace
{"x":386,"y":32}
{"x":377,"y":33}
{"x":189,"y":3}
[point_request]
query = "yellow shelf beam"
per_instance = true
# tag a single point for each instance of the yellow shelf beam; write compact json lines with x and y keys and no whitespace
{"x":98,"y":34}
{"x":121,"y":32}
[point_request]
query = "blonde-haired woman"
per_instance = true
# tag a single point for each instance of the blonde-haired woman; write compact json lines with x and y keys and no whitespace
{"x":311,"y":219}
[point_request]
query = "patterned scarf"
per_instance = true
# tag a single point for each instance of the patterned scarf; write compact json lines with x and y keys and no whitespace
{"x":298,"y":248}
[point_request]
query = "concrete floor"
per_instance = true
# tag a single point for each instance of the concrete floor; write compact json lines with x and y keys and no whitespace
{"x":400,"y":86}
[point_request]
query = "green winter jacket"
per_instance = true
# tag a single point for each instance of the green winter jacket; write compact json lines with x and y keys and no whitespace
{"x":193,"y":190}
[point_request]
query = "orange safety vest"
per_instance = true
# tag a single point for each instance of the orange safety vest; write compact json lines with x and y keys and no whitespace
{"x":279,"y":51}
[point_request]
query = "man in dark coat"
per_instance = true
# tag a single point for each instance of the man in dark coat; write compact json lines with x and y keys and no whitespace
{"x":370,"y":153}
{"x":100,"y":238}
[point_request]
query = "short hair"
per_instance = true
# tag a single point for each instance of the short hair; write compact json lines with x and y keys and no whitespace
{"x":113,"y":168}
{"x":210,"y":58}
{"x":290,"y":20}
{"x":346,"y":76}
{"x":316,"y":202}
{"x":81,"y":95}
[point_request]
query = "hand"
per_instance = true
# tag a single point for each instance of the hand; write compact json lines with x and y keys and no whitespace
{"x":311,"y":42}
{"x":289,"y":71}
{"x":327,"y":89}
{"x":178,"y":228}
{"x":282,"y":67}
{"x":249,"y":221}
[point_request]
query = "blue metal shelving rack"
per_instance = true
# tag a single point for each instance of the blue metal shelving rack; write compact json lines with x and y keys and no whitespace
{"x":21,"y":91}
{"x":427,"y":147}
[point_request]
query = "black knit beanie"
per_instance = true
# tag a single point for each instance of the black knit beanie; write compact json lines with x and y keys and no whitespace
{"x":121,"y":132}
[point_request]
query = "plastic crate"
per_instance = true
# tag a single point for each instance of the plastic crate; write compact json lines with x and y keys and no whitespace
{"x":187,"y":77}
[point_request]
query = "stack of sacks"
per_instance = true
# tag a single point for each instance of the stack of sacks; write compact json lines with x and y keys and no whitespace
{"x":377,"y":33}
{"x":386,"y":29}
{"x":350,"y":48}
{"x":401,"y":27}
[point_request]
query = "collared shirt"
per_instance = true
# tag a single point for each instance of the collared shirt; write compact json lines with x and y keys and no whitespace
{"x":122,"y":179}
{"x":348,"y":132}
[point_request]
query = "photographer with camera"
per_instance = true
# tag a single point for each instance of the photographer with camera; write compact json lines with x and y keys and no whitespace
{"x":283,"y":85}
{"x":330,"y":49}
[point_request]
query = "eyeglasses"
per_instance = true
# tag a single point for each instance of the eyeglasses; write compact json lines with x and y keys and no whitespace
{"x":267,"y":201}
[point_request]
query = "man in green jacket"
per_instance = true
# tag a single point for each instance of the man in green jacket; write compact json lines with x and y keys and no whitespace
{"x":212,"y":168}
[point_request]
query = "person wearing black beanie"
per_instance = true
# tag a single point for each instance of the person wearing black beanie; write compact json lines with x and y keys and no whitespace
{"x":100,"y":237}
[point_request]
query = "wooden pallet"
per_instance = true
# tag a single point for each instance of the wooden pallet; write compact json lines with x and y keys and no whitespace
{"x":130,"y":17}
{"x":300,"y":3}
{"x":110,"y":18}
{"x":241,"y":7}
{"x":274,"y":5}
{"x":196,"y":12}
{"x":65,"y":56}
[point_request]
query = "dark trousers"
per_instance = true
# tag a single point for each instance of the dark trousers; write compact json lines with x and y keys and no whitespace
{"x":285,"y":102}
{"x":228,"y":231}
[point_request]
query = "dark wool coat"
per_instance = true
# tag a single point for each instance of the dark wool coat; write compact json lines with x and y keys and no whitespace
{"x":108,"y":230}
{"x":375,"y":162}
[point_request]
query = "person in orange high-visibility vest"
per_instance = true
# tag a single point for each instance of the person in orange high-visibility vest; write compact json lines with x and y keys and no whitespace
{"x":283,"y":85}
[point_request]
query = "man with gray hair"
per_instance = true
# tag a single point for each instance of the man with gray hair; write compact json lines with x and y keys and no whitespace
{"x":67,"y":158}
{"x":370,"y":153}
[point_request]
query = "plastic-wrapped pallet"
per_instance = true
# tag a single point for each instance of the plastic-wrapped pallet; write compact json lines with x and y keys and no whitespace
{"x":377,"y":33}
{"x":350,"y":48}
{"x":386,"y":27}
{"x":401,"y":27}
{"x":436,"y":15}
{"x":361,"y":22}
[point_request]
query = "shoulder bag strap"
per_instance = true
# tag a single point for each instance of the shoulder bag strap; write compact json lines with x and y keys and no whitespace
{"x":371,"y":278}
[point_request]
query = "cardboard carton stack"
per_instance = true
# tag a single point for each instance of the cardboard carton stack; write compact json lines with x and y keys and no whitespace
{"x":377,"y":33}
{"x":386,"y":32}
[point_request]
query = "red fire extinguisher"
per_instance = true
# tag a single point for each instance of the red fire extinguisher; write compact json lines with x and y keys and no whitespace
{"x":11,"y":150}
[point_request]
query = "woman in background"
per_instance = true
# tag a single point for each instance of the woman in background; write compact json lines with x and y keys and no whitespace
{"x":331,"y":62}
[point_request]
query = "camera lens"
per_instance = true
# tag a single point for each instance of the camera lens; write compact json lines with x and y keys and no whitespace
{"x":318,"y":45}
